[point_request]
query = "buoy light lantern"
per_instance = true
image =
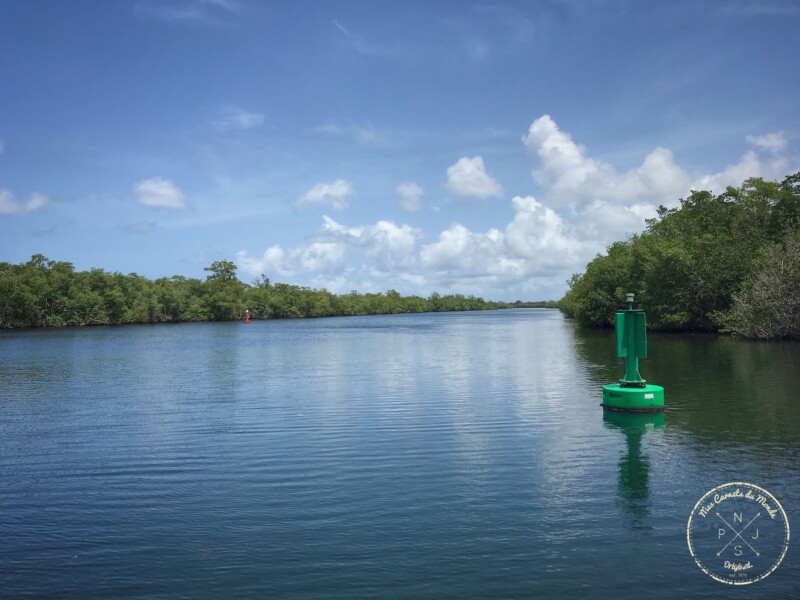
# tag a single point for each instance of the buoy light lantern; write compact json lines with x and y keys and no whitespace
{"x":632,"y":393}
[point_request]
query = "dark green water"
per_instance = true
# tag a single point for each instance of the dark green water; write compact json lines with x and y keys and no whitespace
{"x":411,"y":456}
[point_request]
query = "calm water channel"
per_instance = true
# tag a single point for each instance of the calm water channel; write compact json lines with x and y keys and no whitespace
{"x":459,"y":455}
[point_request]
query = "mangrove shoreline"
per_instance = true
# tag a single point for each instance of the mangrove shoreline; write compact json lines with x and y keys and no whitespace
{"x":46,"y":293}
{"x":727,"y":263}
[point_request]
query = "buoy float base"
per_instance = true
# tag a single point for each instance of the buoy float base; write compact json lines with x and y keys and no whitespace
{"x":649,"y":398}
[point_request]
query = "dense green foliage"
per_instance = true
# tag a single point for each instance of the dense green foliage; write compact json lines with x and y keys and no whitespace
{"x":728,"y":262}
{"x":46,"y":293}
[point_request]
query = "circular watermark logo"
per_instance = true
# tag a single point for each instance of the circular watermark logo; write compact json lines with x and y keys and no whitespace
{"x":738,"y":533}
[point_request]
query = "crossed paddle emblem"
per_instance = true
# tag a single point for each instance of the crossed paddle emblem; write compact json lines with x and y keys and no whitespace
{"x":738,"y":548}
{"x":738,"y":534}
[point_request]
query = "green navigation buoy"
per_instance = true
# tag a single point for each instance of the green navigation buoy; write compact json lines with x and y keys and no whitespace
{"x":632,"y":393}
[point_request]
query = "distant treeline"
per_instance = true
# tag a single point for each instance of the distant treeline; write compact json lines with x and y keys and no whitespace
{"x":729,"y":262}
{"x":46,"y":293}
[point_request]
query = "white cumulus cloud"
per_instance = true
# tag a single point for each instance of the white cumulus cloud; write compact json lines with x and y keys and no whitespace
{"x":603,"y":204}
{"x":309,"y":259}
{"x":385,"y":244}
{"x":271,"y":261}
{"x":339,"y":257}
{"x":458,"y":250}
{"x":468,"y":178}
{"x":572,"y":178}
{"x":536,"y":239}
{"x":410,"y":196}
{"x":336,"y":194}
{"x":750,"y":165}
{"x":583,"y":204}
{"x":159,"y":193}
{"x":539,"y":235}
{"x":9,"y":205}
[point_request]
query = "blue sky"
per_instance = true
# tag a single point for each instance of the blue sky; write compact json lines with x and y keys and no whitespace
{"x":481,"y":148}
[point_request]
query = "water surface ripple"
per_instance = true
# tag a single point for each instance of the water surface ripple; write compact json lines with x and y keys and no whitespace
{"x":458,"y":455}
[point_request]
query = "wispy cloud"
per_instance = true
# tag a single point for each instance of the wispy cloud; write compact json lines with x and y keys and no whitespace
{"x":489,"y":31}
{"x":48,"y":231}
{"x":748,"y":8}
{"x":367,"y":47}
{"x":336,"y":194}
{"x":216,"y":218}
{"x":9,"y":205}
{"x":2,"y":146}
{"x":381,"y":136}
{"x":410,"y":196}
{"x":203,"y":12}
{"x":360,"y":134}
{"x":140,"y":228}
{"x":159,"y":193}
{"x":772,"y":142}
{"x":238,"y":119}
